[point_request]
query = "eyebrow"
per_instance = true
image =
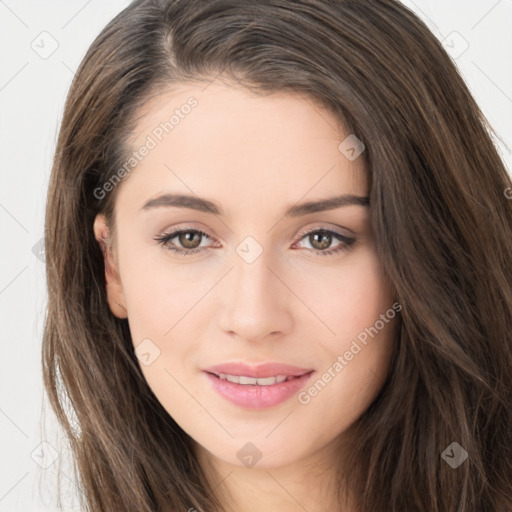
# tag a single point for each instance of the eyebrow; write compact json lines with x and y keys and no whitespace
{"x":298,"y":210}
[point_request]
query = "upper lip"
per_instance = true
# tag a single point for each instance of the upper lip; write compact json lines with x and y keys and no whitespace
{"x":259,"y":371}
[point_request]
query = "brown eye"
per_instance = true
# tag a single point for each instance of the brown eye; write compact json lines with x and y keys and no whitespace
{"x":189,"y":240}
{"x":321,"y":239}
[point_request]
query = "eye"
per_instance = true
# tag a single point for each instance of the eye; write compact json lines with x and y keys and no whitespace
{"x":321,"y":238}
{"x":190,"y":240}
{"x":187,"y":237}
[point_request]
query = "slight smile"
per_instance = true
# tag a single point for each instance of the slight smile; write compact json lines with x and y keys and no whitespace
{"x":257,"y":387}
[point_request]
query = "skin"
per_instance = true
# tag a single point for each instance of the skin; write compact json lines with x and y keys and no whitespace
{"x":254,"y":156}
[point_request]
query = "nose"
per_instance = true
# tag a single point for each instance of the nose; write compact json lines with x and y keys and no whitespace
{"x":257,"y":300}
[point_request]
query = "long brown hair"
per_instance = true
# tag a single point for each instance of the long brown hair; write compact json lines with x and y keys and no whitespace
{"x":439,"y":211}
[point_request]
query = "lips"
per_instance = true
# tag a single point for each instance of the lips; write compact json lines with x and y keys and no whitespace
{"x":259,"y":371}
{"x":260,"y":395}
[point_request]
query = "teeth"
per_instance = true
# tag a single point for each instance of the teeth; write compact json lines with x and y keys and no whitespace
{"x":241,"y":379}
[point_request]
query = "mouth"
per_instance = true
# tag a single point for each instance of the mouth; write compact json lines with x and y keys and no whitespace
{"x":249,"y":391}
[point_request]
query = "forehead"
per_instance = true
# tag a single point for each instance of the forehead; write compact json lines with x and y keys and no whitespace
{"x":225,"y":142}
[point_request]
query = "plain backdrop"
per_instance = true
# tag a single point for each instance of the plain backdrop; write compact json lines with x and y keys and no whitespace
{"x":42,"y":44}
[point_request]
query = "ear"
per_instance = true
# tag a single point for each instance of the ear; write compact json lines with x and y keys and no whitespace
{"x":115,"y":294}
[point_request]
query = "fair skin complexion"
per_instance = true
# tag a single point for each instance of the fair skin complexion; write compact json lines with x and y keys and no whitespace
{"x":254,"y":157}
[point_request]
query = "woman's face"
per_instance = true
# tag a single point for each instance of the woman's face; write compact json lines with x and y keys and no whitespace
{"x":260,"y":285}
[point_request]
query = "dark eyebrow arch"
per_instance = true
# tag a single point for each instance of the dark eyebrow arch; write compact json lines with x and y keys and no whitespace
{"x":298,"y":210}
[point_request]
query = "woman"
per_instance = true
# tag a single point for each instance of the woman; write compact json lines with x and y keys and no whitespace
{"x":199,"y":349}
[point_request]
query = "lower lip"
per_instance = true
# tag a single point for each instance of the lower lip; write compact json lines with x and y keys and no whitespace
{"x":257,"y":397}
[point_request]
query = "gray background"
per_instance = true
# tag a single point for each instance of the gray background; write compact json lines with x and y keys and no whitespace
{"x":42,"y":44}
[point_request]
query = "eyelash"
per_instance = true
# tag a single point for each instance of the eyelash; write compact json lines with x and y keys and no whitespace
{"x":165,"y":239}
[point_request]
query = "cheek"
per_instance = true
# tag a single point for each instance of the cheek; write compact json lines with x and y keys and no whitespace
{"x":161,"y":295}
{"x":163,"y":320}
{"x":358,"y":309}
{"x":346,"y":299}
{"x":162,"y":302}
